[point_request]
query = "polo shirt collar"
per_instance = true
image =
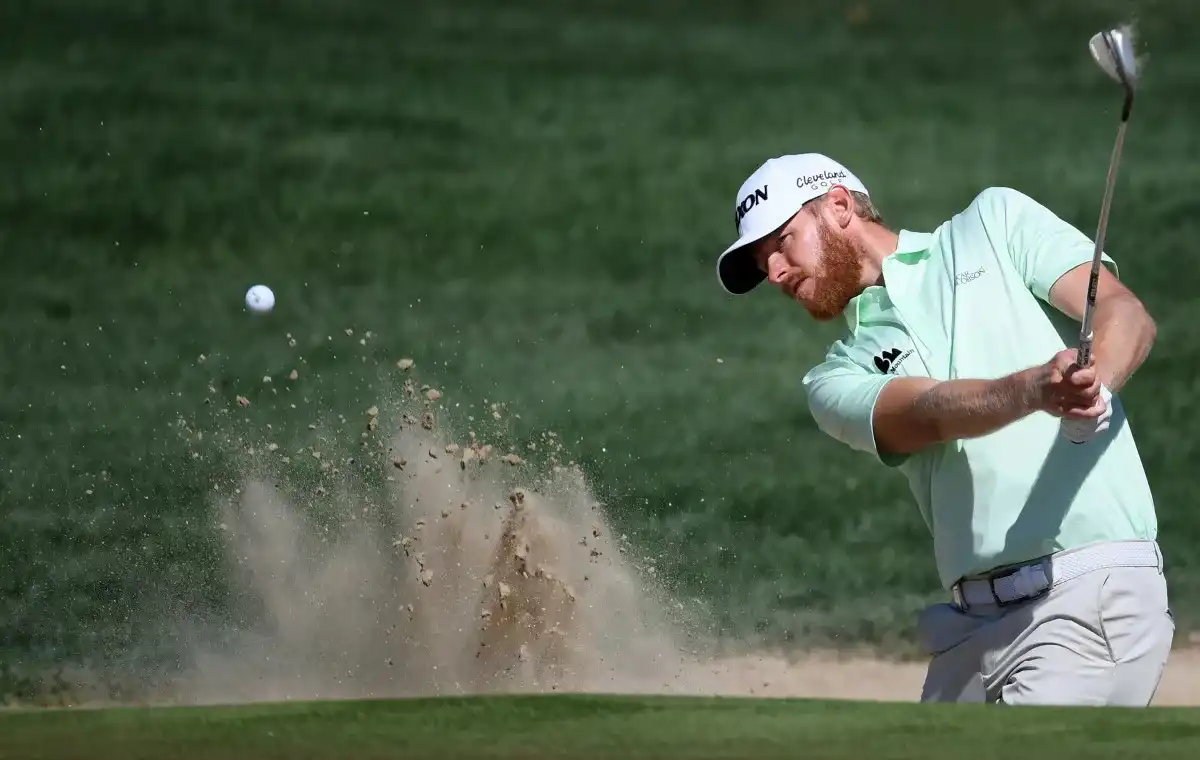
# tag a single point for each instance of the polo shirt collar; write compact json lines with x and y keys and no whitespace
{"x":911,"y":247}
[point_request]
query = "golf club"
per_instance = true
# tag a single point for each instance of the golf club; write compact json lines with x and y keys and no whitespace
{"x":1113,"y":51}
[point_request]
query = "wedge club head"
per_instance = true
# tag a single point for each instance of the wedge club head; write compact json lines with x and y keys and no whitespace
{"x":1113,"y":51}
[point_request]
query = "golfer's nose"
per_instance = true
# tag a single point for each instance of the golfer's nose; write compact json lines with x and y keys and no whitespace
{"x":776,"y":268}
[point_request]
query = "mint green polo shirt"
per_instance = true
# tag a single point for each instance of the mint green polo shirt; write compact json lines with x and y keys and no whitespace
{"x":969,"y":300}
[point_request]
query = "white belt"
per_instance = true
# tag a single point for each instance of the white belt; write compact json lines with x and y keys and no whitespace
{"x":1034,"y":579}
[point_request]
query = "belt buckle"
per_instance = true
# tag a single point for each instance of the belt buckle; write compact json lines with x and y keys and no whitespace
{"x":960,"y":598}
{"x":991,"y":582}
{"x":1021,"y":598}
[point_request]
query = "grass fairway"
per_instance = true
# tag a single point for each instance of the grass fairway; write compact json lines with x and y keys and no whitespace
{"x":601,"y":727}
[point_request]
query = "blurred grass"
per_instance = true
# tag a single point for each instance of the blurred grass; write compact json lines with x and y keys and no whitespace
{"x":599,"y":727}
{"x":528,"y":199}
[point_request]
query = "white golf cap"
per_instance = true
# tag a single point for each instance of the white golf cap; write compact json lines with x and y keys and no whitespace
{"x":771,"y":196}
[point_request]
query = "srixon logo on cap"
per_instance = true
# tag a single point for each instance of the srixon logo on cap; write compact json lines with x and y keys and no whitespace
{"x":749,"y":202}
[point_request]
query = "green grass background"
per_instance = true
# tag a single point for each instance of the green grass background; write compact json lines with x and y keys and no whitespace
{"x":526,"y":197}
{"x":600,"y":727}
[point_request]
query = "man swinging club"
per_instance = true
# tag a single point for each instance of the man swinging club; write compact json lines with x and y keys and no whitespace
{"x":957,"y":369}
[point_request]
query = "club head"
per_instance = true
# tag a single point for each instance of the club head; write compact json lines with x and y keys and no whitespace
{"x":1113,"y":51}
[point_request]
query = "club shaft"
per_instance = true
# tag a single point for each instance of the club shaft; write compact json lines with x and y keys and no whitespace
{"x":1084,"y":352}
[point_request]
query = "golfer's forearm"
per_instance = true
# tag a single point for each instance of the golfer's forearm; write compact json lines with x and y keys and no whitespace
{"x":957,"y":409}
{"x":912,"y":414}
{"x":1124,"y":333}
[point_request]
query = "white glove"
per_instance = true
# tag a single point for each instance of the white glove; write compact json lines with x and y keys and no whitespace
{"x":1082,"y":431}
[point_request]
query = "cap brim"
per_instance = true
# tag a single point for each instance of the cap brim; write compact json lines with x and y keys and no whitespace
{"x":737,"y":271}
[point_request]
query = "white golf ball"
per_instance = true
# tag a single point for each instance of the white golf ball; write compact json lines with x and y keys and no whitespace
{"x":260,"y":299}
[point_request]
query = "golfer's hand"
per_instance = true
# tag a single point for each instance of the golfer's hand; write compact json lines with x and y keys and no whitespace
{"x":1083,"y":430}
{"x":1069,"y":391}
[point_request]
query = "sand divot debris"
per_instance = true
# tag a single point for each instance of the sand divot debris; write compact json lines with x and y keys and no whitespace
{"x":467,"y":574}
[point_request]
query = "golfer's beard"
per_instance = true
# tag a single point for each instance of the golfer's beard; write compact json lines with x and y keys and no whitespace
{"x":840,"y":279}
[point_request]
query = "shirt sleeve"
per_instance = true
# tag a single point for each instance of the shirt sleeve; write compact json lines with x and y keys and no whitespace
{"x":842,"y":397}
{"x":1042,"y":245}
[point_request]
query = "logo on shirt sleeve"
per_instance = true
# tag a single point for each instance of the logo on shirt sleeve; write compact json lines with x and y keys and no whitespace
{"x":889,"y":361}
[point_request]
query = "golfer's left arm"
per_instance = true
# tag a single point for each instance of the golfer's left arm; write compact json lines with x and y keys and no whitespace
{"x":1055,"y":260}
{"x":1123,"y":330}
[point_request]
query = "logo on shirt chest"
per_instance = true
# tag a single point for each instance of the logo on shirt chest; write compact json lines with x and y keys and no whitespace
{"x":962,"y":278}
{"x":888,"y":362}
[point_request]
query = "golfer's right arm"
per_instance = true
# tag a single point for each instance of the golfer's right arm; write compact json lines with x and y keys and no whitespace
{"x":912,"y":413}
{"x":892,"y":417}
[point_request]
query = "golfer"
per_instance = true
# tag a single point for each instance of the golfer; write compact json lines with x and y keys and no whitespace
{"x":956,"y":368}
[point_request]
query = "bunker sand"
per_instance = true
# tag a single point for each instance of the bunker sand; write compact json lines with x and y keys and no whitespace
{"x":480,"y":573}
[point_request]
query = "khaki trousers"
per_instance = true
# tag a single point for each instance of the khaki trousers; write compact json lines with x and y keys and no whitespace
{"x":1099,"y":639}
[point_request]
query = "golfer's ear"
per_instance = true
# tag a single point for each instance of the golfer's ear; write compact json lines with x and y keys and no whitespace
{"x":839,"y":205}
